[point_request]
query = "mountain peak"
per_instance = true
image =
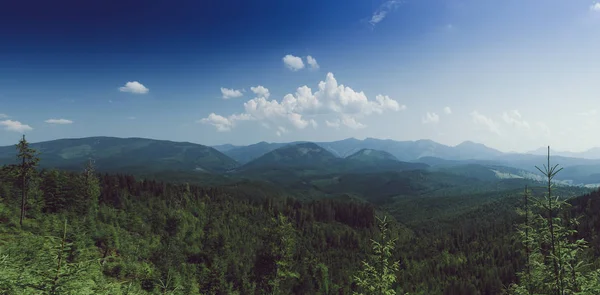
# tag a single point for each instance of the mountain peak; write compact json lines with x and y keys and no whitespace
{"x":470,"y":143}
{"x":299,"y":154}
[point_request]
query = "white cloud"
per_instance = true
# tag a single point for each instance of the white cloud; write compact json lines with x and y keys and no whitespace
{"x":281,"y":130}
{"x":346,"y":120}
{"x":59,"y":121}
{"x":3,"y":116}
{"x":342,"y":99}
{"x":293,"y":63}
{"x":291,"y":111}
{"x":431,"y":118}
{"x":15,"y":126}
{"x":224,"y":124}
{"x":383,"y":10}
{"x":447,"y":110}
{"x":312,"y":62}
{"x":351,"y":122}
{"x":230,"y":93}
{"x":297,"y":121}
{"x":260,"y":91}
{"x":595,"y":7}
{"x":488,"y":123}
{"x":514,"y":118}
{"x":134,"y":87}
{"x":220,"y":122}
{"x":386,"y":103}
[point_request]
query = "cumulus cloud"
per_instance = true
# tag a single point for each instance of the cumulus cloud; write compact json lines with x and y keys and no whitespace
{"x":515,"y":119}
{"x":220,"y":122}
{"x":59,"y":121}
{"x":3,"y":116}
{"x":134,"y":87}
{"x":386,"y":103}
{"x":223,"y":124}
{"x":488,"y":123}
{"x":383,"y":11}
{"x":329,"y":99}
{"x":351,"y":122}
{"x":431,"y":118}
{"x":312,"y":62}
{"x":447,"y":110}
{"x":293,"y":63}
{"x":595,"y":7}
{"x":260,"y":91}
{"x":15,"y":126}
{"x":345,"y":120}
{"x":230,"y":93}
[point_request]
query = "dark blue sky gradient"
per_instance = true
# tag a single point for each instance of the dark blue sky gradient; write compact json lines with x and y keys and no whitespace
{"x":68,"y":58}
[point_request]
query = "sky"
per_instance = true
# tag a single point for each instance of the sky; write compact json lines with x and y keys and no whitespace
{"x":515,"y":75}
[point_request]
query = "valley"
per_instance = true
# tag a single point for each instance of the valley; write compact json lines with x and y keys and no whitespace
{"x":213,"y":224}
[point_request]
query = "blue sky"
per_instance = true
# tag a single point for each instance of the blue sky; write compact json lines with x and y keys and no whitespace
{"x":512,"y":74}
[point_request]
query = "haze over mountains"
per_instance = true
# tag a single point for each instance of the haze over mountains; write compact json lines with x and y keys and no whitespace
{"x":593,"y":153}
{"x":345,"y":156}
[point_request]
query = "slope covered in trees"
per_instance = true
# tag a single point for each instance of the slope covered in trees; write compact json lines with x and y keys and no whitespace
{"x":89,"y":233}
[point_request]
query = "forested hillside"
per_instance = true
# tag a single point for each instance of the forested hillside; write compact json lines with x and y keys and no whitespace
{"x":89,"y":233}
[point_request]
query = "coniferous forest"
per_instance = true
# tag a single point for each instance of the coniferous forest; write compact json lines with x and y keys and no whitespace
{"x":86,"y":232}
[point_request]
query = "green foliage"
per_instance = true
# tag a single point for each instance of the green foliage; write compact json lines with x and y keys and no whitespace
{"x":31,"y":264}
{"x":129,"y":236}
{"x":555,"y":257}
{"x":282,"y":246}
{"x":28,"y":161}
{"x":128,"y":154}
{"x":378,"y":274}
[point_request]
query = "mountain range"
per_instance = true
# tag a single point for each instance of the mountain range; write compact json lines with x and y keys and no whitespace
{"x":345,"y":156}
{"x":593,"y":153}
{"x":113,"y":154}
{"x":402,"y":150}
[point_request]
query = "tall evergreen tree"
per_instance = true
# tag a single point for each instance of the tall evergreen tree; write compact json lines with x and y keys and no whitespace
{"x":378,"y":275}
{"x":26,"y":170}
{"x":92,"y":187}
{"x":555,"y":262}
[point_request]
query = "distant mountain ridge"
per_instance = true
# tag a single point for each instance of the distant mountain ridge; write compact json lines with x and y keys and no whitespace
{"x":593,"y":153}
{"x":132,"y":155}
{"x":370,"y":155}
{"x":294,"y":155}
{"x":402,"y":150}
{"x":126,"y":154}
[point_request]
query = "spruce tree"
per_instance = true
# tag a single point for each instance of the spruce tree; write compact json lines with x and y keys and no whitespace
{"x":283,"y":250}
{"x":28,"y":161}
{"x":555,"y":261}
{"x":378,"y":273}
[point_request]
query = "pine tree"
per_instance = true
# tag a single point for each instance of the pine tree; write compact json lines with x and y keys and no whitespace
{"x":283,"y":250}
{"x":32,"y":264}
{"x":28,"y":162}
{"x":92,"y":187}
{"x":555,"y":262}
{"x":378,"y":275}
